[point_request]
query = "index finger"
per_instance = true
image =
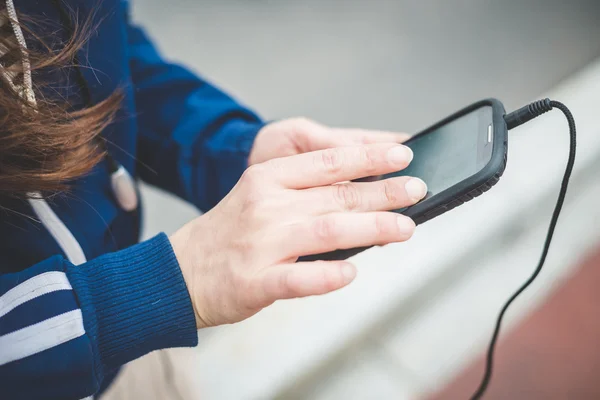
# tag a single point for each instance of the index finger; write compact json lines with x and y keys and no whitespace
{"x":338,"y":137}
{"x":368,"y":136}
{"x":326,"y":167}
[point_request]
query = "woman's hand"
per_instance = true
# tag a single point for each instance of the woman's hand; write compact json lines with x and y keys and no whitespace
{"x":300,"y":135}
{"x":240,"y":257}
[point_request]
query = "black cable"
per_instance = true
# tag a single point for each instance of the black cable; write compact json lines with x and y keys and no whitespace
{"x":513,"y":120}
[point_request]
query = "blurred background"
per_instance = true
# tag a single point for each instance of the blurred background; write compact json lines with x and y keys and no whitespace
{"x":416,"y":321}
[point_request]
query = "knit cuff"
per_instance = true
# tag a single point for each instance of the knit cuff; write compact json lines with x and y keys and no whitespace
{"x":134,"y":301}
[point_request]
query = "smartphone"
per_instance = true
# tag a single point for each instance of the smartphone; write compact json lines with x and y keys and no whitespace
{"x":459,"y":158}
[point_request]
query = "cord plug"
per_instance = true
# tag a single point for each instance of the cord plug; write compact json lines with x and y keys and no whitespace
{"x":513,"y":120}
{"x":527,"y":113}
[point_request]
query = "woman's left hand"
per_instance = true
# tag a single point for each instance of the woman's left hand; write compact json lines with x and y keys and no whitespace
{"x":300,"y":135}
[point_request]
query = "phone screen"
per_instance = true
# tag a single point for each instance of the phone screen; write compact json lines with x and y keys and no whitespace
{"x":452,"y":152}
{"x":444,"y":156}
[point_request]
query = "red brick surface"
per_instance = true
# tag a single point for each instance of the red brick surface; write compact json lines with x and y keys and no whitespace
{"x":553,"y":354}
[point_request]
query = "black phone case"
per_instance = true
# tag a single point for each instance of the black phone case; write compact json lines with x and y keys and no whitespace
{"x":459,"y":193}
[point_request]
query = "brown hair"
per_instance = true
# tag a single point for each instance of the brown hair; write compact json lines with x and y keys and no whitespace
{"x":46,"y":145}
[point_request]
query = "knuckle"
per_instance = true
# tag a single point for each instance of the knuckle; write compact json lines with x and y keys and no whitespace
{"x":286,"y":284}
{"x":254,"y":212}
{"x":281,"y":286}
{"x":245,"y":247}
{"x":367,"y":160}
{"x":390,"y":194}
{"x":302,"y":123}
{"x":347,"y":196}
{"x":332,"y":160}
{"x":251,"y":181}
{"x":254,"y":174}
{"x":324,"y":230}
{"x":384,"y":226}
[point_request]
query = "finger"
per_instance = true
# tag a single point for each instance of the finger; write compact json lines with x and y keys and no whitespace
{"x":312,"y":136}
{"x":327,"y":138}
{"x":383,"y":195}
{"x":303,"y":279}
{"x":366,"y":136}
{"x":326,"y":167}
{"x":345,"y":231}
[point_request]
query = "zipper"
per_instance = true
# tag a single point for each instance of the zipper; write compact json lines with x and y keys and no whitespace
{"x":58,"y":230}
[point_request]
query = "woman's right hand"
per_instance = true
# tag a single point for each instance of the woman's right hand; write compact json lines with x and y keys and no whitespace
{"x":241,"y":256}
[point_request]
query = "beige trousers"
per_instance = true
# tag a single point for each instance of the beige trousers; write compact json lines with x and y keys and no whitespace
{"x":152,"y":377}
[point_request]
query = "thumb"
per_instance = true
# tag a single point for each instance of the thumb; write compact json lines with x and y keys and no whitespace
{"x":303,"y":279}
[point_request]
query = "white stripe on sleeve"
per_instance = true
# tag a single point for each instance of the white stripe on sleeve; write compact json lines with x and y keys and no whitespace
{"x":33,"y":287}
{"x":41,"y":336}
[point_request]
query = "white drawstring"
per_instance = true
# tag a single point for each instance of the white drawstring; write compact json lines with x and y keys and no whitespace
{"x":27,"y":81}
{"x":49,"y":219}
{"x":122,"y":183}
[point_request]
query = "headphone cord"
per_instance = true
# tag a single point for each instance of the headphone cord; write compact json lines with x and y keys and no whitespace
{"x":513,"y":120}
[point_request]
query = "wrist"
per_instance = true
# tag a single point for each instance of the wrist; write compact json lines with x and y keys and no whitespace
{"x":180,"y":242}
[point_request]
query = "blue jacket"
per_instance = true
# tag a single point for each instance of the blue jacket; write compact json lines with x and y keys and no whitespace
{"x":65,"y":329}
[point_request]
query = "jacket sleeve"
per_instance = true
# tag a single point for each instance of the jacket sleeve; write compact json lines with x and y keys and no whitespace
{"x":63,"y":328}
{"x":195,"y":138}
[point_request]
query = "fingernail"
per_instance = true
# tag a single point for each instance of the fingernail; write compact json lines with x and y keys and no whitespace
{"x":406,"y":226}
{"x":416,"y":189}
{"x":348,"y":272}
{"x":400,"y":155}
